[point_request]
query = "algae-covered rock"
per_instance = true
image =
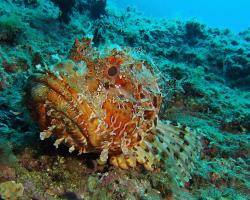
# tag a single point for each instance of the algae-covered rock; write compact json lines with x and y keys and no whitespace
{"x":66,"y":8}
{"x":10,"y":28}
{"x":92,"y":183}
{"x":11,"y":190}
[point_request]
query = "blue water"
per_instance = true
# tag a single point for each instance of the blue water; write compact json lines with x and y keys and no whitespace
{"x":232,"y":14}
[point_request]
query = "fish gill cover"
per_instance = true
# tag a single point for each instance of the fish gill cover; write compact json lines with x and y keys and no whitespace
{"x":120,"y":89}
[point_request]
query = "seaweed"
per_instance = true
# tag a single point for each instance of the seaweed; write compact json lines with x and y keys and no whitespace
{"x":66,"y":7}
{"x":10,"y":29}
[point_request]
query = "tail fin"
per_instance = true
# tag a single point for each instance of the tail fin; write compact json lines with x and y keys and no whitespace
{"x":178,"y":148}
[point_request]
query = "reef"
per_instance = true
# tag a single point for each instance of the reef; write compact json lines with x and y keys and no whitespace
{"x":202,"y":73}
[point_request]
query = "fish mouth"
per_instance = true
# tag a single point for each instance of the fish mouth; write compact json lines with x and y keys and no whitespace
{"x":62,"y":112}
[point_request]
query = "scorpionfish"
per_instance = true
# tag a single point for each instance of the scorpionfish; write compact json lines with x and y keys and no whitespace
{"x":108,"y":103}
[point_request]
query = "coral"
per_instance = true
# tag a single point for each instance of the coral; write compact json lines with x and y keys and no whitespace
{"x":194,"y":30}
{"x":11,"y":190}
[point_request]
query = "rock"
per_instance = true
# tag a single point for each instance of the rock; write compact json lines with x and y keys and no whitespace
{"x":7,"y":173}
{"x":10,"y":28}
{"x":11,"y":190}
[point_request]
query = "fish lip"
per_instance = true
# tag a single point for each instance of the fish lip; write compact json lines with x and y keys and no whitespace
{"x":38,"y":82}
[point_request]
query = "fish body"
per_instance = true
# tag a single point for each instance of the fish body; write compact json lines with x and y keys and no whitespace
{"x":108,"y":103}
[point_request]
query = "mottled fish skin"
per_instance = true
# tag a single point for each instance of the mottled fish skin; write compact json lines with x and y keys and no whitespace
{"x":109,"y":103}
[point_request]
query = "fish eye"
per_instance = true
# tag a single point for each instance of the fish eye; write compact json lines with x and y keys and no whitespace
{"x":112,"y":71}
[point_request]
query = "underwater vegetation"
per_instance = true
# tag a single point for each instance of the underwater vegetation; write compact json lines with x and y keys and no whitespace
{"x":96,"y":8}
{"x":180,"y":71}
{"x":65,"y":8}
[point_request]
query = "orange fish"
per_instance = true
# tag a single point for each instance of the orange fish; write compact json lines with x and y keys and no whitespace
{"x":108,"y":103}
